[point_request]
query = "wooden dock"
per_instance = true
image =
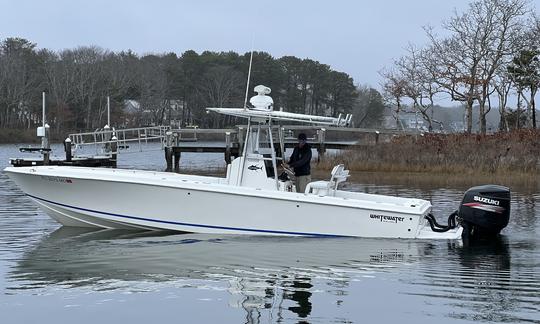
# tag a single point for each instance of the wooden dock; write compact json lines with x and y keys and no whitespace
{"x":229,"y":141}
{"x":174,"y":142}
{"x":93,"y":162}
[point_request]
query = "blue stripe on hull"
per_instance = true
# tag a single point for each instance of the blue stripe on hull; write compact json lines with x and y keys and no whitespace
{"x":188,"y":224}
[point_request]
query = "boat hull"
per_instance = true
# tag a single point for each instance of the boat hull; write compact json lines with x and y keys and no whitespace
{"x":164,"y":201}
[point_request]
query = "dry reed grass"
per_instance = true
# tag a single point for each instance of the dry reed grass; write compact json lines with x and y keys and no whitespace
{"x":510,"y":154}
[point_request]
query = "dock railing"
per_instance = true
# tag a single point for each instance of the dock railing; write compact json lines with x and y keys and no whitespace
{"x":108,"y":143}
{"x":104,"y":141}
{"x":113,"y":141}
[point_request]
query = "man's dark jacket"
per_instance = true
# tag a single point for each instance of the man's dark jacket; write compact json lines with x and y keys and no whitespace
{"x":300,"y":160}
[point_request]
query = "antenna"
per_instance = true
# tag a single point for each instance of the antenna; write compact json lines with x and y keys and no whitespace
{"x":108,"y":111}
{"x":249,"y":74}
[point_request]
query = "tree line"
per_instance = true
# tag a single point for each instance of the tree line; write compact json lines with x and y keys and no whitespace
{"x":165,"y":87}
{"x":483,"y":56}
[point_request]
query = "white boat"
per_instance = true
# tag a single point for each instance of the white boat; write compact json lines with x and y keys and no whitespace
{"x":250,"y":199}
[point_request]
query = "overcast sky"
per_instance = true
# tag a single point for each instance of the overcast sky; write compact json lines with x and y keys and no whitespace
{"x":356,"y":37}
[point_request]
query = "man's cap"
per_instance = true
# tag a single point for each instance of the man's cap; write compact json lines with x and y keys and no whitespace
{"x":302,"y":137}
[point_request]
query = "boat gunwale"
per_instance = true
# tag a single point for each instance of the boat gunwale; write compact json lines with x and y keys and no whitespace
{"x":245,"y":191}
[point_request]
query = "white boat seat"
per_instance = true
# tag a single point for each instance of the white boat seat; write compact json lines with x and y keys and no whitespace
{"x":324,"y":188}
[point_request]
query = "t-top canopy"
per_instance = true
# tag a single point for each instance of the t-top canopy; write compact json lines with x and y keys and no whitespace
{"x":263,"y":112}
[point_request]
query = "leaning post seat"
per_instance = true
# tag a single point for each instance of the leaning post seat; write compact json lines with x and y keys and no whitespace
{"x":323,"y":188}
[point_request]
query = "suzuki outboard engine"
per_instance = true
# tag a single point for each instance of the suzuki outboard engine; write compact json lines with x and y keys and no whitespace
{"x":484,"y":211}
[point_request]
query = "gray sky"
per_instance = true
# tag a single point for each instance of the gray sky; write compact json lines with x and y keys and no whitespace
{"x":356,"y":37}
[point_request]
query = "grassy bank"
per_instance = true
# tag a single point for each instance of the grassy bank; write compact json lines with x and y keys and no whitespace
{"x":500,"y":154}
{"x":27,"y":136}
{"x":12,"y":136}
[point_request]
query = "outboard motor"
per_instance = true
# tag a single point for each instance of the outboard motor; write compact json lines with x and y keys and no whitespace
{"x":484,"y":211}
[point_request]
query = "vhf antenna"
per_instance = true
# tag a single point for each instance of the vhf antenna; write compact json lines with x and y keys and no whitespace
{"x":249,"y":74}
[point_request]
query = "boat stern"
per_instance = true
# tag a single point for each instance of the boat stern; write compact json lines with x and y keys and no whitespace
{"x":426,"y":233}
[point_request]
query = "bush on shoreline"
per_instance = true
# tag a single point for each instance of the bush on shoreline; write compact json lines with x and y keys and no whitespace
{"x":27,"y":136}
{"x":499,"y":153}
{"x":12,"y":136}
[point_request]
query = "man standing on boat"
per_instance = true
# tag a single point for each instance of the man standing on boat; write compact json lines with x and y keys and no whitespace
{"x":300,"y":160}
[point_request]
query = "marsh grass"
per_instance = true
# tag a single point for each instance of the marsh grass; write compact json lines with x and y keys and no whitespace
{"x":502,"y":154}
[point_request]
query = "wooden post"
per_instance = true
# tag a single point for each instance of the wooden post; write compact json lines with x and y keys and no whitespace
{"x":322,"y":146}
{"x":228,"y":148}
{"x":176,"y":153}
{"x":377,"y":137}
{"x":168,"y":159}
{"x":106,"y":138}
{"x":114,"y":150}
{"x":168,"y":151}
{"x":45,"y":144}
{"x":67,"y":149}
{"x":240,"y":140}
{"x":176,"y":139}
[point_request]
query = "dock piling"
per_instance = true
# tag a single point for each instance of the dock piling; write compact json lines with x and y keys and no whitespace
{"x":176,"y":153}
{"x":106,"y":137}
{"x":114,"y":150}
{"x":240,"y":139}
{"x":228,"y":159}
{"x":321,"y":136}
{"x":46,"y":145}
{"x":168,"y":159}
{"x":168,"y":151}
{"x":176,"y":161}
{"x":67,"y":149}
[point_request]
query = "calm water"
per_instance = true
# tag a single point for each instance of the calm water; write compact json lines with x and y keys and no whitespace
{"x":61,"y":275}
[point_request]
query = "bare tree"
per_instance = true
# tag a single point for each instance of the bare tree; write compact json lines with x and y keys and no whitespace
{"x":120,"y":75}
{"x":18,"y":81}
{"x":419,"y":85}
{"x":86,"y":67}
{"x":502,"y":85}
{"x":456,"y":69}
{"x":393,"y":86}
{"x":503,"y":29}
{"x":219,"y":87}
{"x":152,"y":84}
{"x":480,"y":40}
{"x":60,"y":76}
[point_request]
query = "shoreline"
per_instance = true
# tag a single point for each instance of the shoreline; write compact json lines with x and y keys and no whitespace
{"x":26,"y":136}
{"x":513,"y":154}
{"x":426,"y":179}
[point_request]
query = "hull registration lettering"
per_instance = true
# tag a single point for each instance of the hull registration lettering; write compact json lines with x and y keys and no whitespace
{"x":56,"y":179}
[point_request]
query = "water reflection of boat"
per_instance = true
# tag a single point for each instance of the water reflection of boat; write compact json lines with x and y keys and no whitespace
{"x":142,"y":254}
{"x":478,"y":281}
{"x":258,"y":270}
{"x":281,"y":276}
{"x":493,"y":254}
